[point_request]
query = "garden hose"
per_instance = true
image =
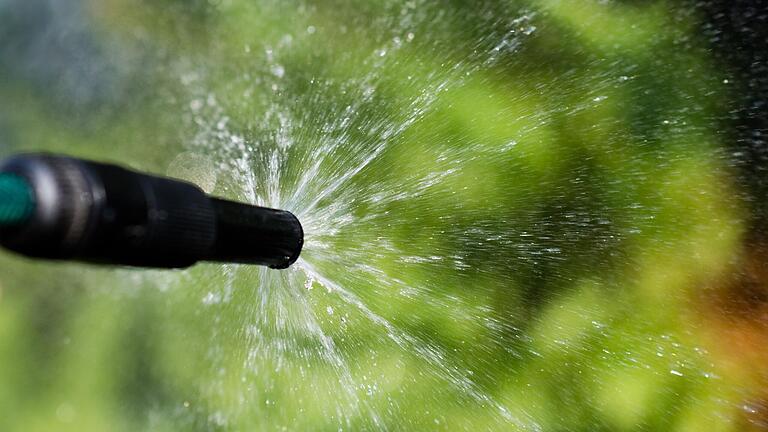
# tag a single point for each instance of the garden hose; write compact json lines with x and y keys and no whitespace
{"x":62,"y":208}
{"x":16,"y":200}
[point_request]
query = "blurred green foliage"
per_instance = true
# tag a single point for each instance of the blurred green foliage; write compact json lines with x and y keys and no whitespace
{"x":586,"y":204}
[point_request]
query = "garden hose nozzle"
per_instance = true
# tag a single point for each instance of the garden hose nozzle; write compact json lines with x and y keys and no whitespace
{"x":62,"y":208}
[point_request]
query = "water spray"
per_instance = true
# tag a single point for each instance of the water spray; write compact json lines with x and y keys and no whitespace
{"x":62,"y":208}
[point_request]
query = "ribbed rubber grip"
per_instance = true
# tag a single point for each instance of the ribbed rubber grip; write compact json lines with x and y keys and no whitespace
{"x":181,"y":220}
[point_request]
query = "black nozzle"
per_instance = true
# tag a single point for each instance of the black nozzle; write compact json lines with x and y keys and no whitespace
{"x":94,"y":212}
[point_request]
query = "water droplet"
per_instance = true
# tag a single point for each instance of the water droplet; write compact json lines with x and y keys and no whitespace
{"x":211,"y":299}
{"x":278,"y":71}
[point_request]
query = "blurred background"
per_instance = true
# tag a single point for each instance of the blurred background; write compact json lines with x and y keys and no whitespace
{"x":520,"y":215}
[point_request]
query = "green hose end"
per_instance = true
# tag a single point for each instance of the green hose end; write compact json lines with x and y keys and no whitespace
{"x":17,"y":200}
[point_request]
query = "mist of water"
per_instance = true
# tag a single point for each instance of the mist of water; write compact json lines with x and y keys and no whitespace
{"x":325,"y":153}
